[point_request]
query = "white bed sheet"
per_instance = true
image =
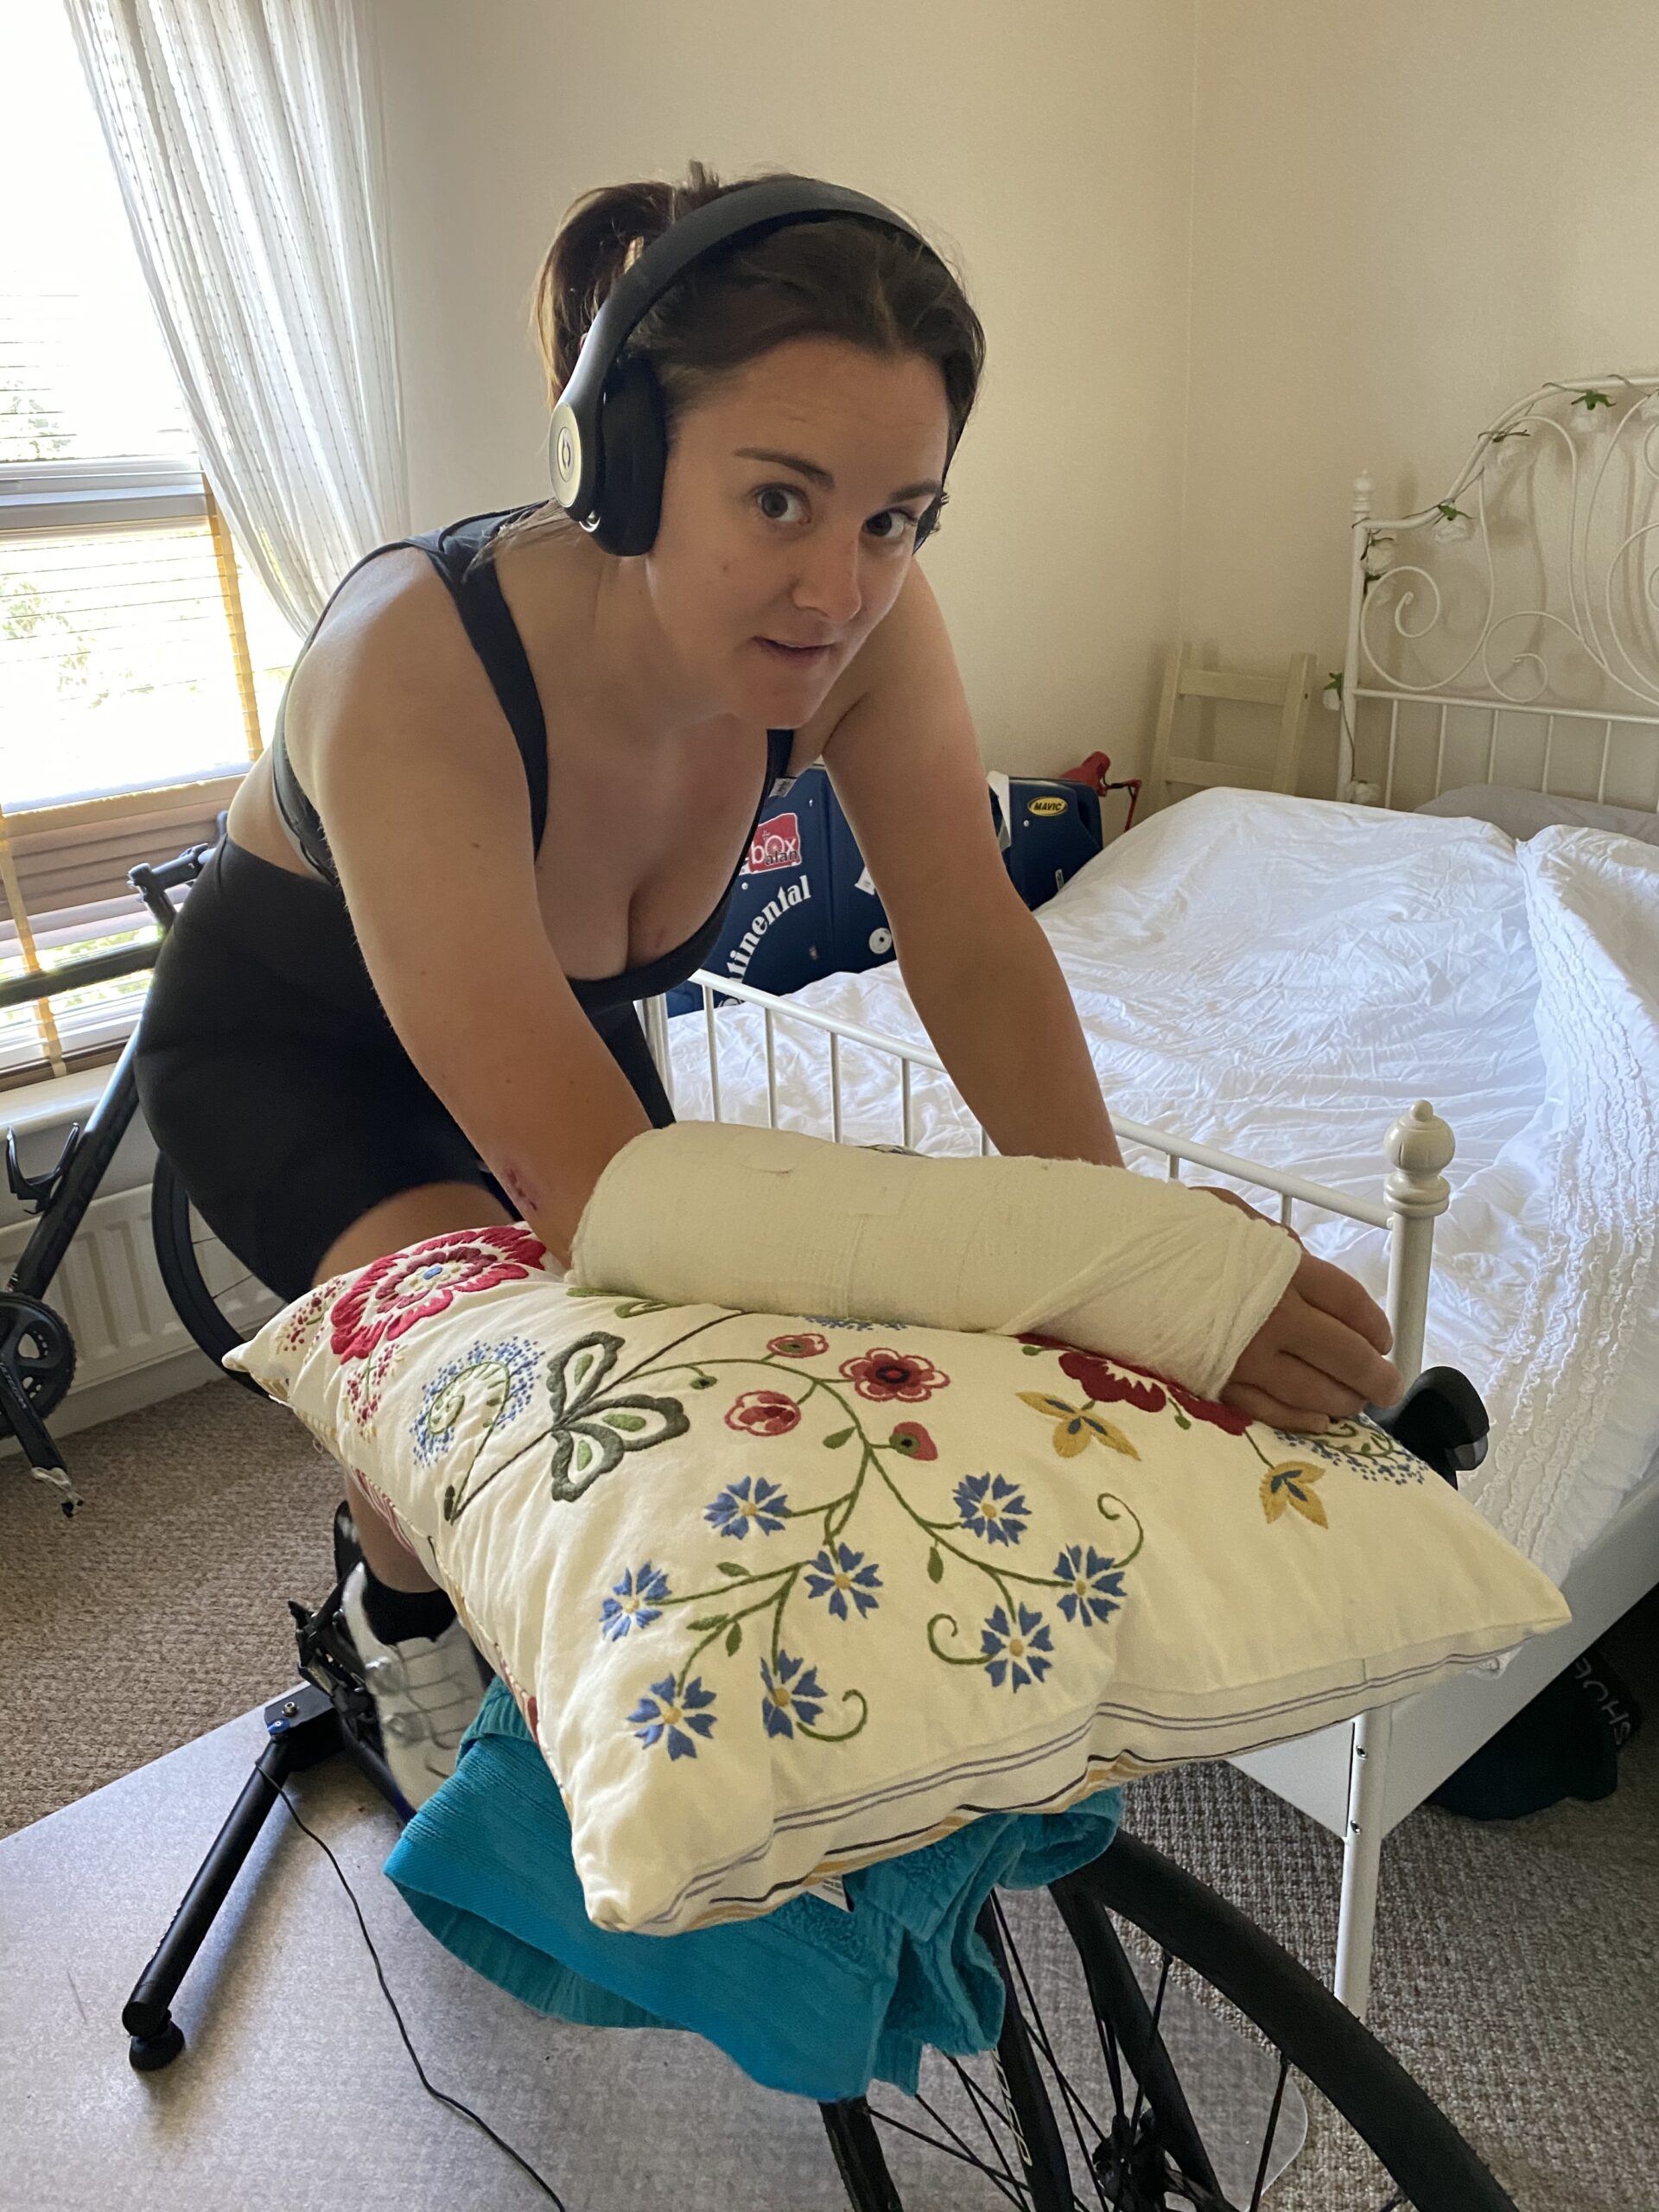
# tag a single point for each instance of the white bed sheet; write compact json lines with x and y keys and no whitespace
{"x":1282,"y":977}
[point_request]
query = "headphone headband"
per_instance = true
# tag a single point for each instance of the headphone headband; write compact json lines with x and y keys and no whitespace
{"x":747,"y":210}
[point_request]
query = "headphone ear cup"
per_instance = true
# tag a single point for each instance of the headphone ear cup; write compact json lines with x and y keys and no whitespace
{"x":632,"y":455}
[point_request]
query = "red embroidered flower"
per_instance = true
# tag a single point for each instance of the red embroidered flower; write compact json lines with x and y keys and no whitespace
{"x":1149,"y":1394}
{"x":764,"y":1412}
{"x":1107,"y":1388}
{"x":804,"y":1347}
{"x":912,"y":1439}
{"x":1227,"y":1418}
{"x":391,"y":1295}
{"x":884,"y":1374}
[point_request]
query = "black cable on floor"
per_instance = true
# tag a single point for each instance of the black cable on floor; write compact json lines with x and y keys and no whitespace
{"x":453,"y":2103}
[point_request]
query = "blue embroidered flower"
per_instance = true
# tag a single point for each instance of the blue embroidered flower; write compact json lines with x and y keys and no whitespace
{"x":1095,"y":1587}
{"x":843,"y":1577}
{"x":634,"y":1604}
{"x":497,"y":1373}
{"x":663,"y":1713}
{"x":992,"y":1508}
{"x":793,"y":1694}
{"x":735,"y":1507}
{"x":1015,"y":1652}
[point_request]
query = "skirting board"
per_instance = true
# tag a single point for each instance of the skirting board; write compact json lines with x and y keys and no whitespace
{"x":88,"y":1405}
{"x":1435,"y":1732}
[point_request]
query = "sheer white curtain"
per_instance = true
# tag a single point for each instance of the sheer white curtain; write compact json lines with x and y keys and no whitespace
{"x":245,"y":138}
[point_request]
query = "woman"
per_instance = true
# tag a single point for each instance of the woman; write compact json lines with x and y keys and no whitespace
{"x":512,"y":784}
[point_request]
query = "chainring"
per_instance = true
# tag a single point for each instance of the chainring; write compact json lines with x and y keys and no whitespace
{"x":37,"y":1348}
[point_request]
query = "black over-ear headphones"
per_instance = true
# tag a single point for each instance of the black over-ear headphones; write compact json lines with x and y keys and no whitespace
{"x":607,"y":447}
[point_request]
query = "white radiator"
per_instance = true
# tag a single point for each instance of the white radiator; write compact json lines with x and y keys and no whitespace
{"x":110,"y":1290}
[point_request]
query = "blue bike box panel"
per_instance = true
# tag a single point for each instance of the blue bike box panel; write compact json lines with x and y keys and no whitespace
{"x":804,"y":907}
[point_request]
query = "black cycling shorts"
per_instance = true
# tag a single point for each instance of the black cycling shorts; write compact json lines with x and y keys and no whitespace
{"x":275,"y":1084}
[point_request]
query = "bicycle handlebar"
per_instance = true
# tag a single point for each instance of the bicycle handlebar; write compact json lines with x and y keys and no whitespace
{"x":76,"y":975}
{"x":152,"y":885}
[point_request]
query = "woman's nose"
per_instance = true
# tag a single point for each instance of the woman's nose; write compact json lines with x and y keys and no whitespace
{"x":828,"y":584}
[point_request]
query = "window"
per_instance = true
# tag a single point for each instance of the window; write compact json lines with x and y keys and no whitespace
{"x":138,"y":665}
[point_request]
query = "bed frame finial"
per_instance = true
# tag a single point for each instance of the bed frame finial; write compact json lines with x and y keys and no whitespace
{"x":1419,"y":1145}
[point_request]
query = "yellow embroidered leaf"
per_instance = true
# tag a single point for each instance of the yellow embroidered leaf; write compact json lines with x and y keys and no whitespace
{"x":1309,"y":1507}
{"x":1056,"y":1408}
{"x":1291,"y":1483}
{"x":1110,"y":1436}
{"x":1071,"y":1436}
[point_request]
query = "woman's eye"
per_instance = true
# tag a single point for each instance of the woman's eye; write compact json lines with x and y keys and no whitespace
{"x":899,"y":524}
{"x":773,"y":499}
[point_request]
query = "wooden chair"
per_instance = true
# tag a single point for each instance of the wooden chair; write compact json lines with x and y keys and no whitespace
{"x":1184,"y":680}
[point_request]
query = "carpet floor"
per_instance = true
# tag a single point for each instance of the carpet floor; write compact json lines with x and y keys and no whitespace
{"x":1516,"y":1962}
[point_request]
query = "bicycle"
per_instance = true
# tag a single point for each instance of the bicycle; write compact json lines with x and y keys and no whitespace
{"x":218,"y":1301}
{"x":1037,"y":2133}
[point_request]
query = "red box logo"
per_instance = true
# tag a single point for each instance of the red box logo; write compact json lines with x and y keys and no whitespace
{"x":777,"y":844}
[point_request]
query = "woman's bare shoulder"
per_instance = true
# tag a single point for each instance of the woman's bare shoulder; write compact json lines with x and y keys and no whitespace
{"x":389,"y":634}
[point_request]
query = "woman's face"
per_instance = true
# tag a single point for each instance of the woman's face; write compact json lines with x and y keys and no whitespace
{"x":789,"y":517}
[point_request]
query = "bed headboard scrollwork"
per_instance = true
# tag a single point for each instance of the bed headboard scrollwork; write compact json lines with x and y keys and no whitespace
{"x":1510,"y":633}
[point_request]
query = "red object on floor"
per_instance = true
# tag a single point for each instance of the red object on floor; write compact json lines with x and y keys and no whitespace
{"x":1094,"y":771}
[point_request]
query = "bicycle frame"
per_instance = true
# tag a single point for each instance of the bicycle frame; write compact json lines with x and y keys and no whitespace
{"x":61,"y":1195}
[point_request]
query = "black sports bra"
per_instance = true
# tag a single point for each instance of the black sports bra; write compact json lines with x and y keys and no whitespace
{"x":488,"y":623}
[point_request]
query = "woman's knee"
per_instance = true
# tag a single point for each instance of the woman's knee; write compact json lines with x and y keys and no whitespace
{"x":405,"y":1218}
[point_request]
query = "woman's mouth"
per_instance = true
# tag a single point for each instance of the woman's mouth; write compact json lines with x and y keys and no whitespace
{"x":796,"y":655}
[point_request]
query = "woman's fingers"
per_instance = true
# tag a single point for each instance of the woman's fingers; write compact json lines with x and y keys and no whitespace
{"x":1260,"y":1407}
{"x":1334,"y":1350}
{"x":1334,"y":1291}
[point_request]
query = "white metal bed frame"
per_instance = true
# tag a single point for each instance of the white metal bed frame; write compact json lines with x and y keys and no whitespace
{"x":1360,"y":1778}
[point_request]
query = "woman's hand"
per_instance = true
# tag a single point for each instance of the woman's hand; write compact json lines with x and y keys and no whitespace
{"x":1319,"y":1355}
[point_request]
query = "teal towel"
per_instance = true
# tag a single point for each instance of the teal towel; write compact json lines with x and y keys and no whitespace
{"x":486,"y":1865}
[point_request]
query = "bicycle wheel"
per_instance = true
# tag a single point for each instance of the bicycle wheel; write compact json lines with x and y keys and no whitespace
{"x":220,"y":1301}
{"x":1115,"y":2074}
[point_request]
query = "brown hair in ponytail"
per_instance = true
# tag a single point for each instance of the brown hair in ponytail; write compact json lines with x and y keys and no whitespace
{"x":841,"y":278}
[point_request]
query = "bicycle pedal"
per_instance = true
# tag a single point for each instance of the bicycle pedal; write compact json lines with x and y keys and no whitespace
{"x":328,"y":1659}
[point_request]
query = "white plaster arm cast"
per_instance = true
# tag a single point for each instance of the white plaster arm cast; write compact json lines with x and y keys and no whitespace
{"x":706,"y":1213}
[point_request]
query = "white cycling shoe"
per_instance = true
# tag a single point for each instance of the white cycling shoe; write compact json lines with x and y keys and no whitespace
{"x":426,"y":1690}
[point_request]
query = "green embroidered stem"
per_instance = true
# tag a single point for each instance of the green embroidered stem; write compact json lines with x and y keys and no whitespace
{"x":977,"y":1661}
{"x":1128,"y":1558}
{"x":824,"y":1736}
{"x":498,"y":1379}
{"x":724,"y":1627}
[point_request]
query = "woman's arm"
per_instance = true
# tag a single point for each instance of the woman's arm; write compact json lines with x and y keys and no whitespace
{"x":980,"y":972}
{"x":421,"y":794}
{"x":990,"y":994}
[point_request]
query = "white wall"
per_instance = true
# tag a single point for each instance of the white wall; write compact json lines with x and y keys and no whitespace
{"x":1047,"y":145}
{"x":1226,"y":252}
{"x":1404,"y":217}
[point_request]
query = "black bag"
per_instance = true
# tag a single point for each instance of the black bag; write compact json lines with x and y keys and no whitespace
{"x":1565,"y":1743}
{"x":805,"y":904}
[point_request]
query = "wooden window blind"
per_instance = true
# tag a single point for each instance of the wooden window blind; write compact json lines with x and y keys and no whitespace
{"x":131,"y":704}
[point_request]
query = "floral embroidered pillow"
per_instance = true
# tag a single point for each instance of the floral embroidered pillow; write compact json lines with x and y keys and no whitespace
{"x":779,"y":1595}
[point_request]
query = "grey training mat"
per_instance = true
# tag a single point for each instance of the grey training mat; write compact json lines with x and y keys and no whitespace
{"x":295,"y":2088}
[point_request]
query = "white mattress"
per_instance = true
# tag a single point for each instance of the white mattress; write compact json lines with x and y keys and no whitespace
{"x":1282,"y":977}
